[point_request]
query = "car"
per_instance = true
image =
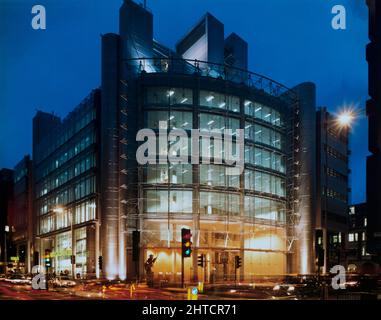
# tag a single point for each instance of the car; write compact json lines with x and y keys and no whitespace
{"x":62,"y":282}
{"x":18,"y":279}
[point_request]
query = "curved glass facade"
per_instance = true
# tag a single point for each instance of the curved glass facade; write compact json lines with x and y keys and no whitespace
{"x":244,"y":212}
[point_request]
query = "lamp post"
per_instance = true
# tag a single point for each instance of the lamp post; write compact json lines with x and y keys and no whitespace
{"x":6,"y":229}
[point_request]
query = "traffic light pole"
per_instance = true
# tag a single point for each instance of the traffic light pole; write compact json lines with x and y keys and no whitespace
{"x":47,"y":279}
{"x":205,"y":271}
{"x":235,"y":276}
{"x":186,"y":249}
{"x":72,"y":258}
{"x":182,"y":271}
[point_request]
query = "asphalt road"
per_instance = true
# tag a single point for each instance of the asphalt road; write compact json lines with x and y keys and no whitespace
{"x":10,"y":291}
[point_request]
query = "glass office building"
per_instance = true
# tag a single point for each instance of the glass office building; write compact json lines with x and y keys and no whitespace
{"x":65,"y":178}
{"x":263,"y":215}
{"x":92,"y":194}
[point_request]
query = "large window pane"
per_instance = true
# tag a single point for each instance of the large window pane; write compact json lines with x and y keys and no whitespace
{"x":215,"y":175}
{"x":219,"y":203}
{"x":162,"y":201}
{"x":161,"y":173}
{"x":171,"y":96}
{"x":264,"y":135}
{"x":264,"y":113}
{"x":220,"y":101}
{"x":264,"y":158}
{"x":217,"y":123}
{"x":169,"y":119}
{"x":265,"y":182}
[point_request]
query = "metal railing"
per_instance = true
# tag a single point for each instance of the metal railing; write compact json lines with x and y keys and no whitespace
{"x":210,"y":69}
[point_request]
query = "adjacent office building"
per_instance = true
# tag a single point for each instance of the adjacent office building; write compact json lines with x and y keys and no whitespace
{"x":6,"y":201}
{"x":373,"y":178}
{"x":65,"y":166}
{"x":21,"y":218}
{"x":332,"y":191}
{"x":359,"y":260}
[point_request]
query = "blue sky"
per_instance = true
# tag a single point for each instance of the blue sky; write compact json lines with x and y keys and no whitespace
{"x":289,"y":40}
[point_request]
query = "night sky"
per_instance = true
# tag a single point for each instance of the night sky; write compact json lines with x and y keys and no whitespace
{"x":290,"y":41}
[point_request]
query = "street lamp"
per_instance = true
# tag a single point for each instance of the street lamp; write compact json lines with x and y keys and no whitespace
{"x":6,"y":229}
{"x":345,"y":118}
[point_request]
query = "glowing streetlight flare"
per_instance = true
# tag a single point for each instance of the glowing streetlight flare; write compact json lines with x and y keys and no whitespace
{"x":345,"y":118}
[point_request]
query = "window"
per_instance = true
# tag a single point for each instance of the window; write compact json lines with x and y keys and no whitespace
{"x":265,"y":182}
{"x":63,"y":219}
{"x":213,"y":146}
{"x":351,"y":237}
{"x":365,"y":222}
{"x":219,"y":203}
{"x":169,"y":96}
{"x":335,"y":195}
{"x":47,"y":224}
{"x":266,"y":209}
{"x":264,"y":113}
{"x":363,"y":236}
{"x":335,"y":174}
{"x":215,"y":175}
{"x":264,"y":135}
{"x":85,"y":211}
{"x":160,"y":201}
{"x":217,"y":123}
{"x":219,"y":101}
{"x":63,"y":251}
{"x":352,"y":210}
{"x":170,"y":119}
{"x":335,"y":153}
{"x":81,"y":249}
{"x":161,"y":173}
{"x":264,"y":158}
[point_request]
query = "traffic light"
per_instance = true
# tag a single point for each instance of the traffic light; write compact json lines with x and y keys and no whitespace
{"x":100,"y":262}
{"x":186,"y":243}
{"x":48,"y":259}
{"x":201,"y":260}
{"x":135,"y":245}
{"x":238,"y":262}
